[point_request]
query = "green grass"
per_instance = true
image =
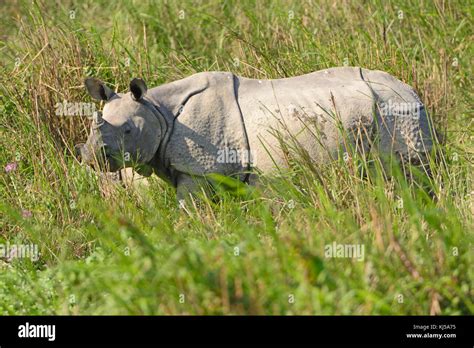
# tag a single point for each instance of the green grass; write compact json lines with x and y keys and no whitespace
{"x":106,"y":249}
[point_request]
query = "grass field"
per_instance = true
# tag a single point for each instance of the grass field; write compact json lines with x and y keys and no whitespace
{"x":108,"y":249}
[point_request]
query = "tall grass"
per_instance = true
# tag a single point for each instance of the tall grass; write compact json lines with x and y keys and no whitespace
{"x":108,"y":249}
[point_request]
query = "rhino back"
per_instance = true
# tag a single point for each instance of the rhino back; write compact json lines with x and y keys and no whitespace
{"x":306,"y":108}
{"x":221,"y":111}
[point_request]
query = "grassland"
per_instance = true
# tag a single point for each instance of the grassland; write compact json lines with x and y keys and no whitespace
{"x":108,"y":249}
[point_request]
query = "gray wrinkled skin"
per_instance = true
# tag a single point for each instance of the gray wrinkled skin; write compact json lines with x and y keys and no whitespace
{"x":180,"y":130}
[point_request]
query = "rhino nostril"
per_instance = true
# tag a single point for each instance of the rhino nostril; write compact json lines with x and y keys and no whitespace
{"x":104,"y":152}
{"x":78,"y":150}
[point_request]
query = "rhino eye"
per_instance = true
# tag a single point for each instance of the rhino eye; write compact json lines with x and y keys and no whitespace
{"x":127,"y":129}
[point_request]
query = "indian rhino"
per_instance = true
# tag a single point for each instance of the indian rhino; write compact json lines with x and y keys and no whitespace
{"x":217,"y":122}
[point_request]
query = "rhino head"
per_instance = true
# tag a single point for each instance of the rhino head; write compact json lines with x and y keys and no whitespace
{"x":125,"y":133}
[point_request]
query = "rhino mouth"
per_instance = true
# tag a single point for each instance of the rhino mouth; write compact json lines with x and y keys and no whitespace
{"x":78,"y":149}
{"x":101,"y":160}
{"x":110,"y":164}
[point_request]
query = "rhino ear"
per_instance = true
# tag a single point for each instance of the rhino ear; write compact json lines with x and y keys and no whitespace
{"x":97,"y":89}
{"x":138,"y":88}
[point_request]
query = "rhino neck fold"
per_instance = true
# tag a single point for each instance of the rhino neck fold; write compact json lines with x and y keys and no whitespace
{"x":245,"y":176}
{"x":159,"y":162}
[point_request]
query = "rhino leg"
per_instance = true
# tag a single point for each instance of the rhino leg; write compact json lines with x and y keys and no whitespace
{"x":188,"y":186}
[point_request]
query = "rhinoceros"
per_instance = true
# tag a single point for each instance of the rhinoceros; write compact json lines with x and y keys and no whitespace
{"x":217,"y":122}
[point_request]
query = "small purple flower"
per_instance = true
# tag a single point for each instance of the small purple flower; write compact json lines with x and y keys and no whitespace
{"x":10,"y":167}
{"x":26,"y":213}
